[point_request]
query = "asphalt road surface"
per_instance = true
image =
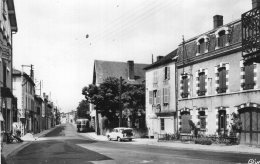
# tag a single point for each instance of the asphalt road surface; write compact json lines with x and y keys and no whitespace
{"x":63,"y":145}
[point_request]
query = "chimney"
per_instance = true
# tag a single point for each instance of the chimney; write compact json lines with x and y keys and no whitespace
{"x":159,"y":58}
{"x":217,"y":21}
{"x":131,"y":70}
{"x":255,"y":3}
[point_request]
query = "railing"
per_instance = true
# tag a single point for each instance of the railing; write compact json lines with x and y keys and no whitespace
{"x":229,"y":140}
{"x":251,"y":34}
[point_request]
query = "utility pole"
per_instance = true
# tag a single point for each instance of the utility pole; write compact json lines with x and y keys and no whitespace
{"x":120,"y":103}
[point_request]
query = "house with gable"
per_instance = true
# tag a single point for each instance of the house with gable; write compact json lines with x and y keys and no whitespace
{"x":131,"y":72}
{"x":160,"y":78}
{"x":214,"y":81}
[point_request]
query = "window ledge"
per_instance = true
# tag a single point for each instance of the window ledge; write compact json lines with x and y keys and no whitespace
{"x":221,"y":94}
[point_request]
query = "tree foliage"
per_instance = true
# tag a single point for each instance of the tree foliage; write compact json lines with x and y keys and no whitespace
{"x":105,"y":97}
{"x":83,"y":109}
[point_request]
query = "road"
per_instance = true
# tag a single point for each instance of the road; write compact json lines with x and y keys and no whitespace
{"x":63,"y":145}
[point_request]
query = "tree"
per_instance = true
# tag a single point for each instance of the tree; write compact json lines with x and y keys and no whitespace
{"x":134,"y":103}
{"x":106,"y":99}
{"x":83,"y":109}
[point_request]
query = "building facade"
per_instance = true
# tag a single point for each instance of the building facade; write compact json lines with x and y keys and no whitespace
{"x":38,"y":114}
{"x":214,"y":82}
{"x":24,"y":90}
{"x":8,"y":26}
{"x":160,"y":96}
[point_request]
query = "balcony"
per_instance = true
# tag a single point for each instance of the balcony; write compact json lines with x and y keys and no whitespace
{"x":251,"y":35}
{"x":163,"y":111}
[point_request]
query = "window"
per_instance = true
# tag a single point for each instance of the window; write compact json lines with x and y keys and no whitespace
{"x":202,"y":120}
{"x":154,"y":97}
{"x":184,"y":88}
{"x":201,"y":85}
{"x":166,"y":95}
{"x":222,"y":121}
{"x":162,"y":123}
{"x":155,"y":77}
{"x":249,"y":77}
{"x":4,"y":73}
{"x":222,"y":80}
{"x":158,"y":97}
{"x":166,"y":73}
{"x":202,"y":46}
{"x":222,"y":39}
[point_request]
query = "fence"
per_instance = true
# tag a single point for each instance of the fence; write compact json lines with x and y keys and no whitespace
{"x":188,"y":137}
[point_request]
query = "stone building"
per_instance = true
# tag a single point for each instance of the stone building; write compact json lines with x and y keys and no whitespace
{"x":214,"y":82}
{"x":24,"y":90}
{"x":160,"y":106}
{"x":8,"y":27}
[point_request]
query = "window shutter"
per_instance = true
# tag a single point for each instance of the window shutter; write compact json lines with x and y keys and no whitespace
{"x":168,"y":99}
{"x":202,"y":81}
{"x":158,"y":99}
{"x":249,"y":75}
{"x":185,"y":84}
{"x":164,"y":95}
{"x":150,"y":97}
{"x":168,"y":73}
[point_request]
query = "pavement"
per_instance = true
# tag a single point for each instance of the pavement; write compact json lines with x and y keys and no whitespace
{"x":242,"y":149}
{"x":12,"y":147}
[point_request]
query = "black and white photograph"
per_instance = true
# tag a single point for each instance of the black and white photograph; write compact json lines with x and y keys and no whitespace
{"x":130,"y":81}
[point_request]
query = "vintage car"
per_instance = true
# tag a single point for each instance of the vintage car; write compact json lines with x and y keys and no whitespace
{"x":121,"y":134}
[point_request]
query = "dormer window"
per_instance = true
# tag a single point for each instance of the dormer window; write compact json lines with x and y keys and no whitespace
{"x":202,"y":45}
{"x":222,"y":37}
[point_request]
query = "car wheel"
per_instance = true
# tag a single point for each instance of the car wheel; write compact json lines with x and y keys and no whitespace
{"x":130,"y":139}
{"x":119,"y":139}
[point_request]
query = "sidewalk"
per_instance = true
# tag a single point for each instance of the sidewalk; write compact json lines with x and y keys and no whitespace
{"x":240,"y":149}
{"x":12,"y":147}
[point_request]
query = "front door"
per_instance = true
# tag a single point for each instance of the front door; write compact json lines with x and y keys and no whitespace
{"x":185,"y":124}
{"x":250,"y":118}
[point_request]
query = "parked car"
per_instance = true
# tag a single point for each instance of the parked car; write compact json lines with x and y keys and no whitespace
{"x":120,"y":134}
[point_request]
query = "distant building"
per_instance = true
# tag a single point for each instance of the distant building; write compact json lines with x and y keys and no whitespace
{"x":129,"y":71}
{"x":23,"y":89}
{"x":38,"y":114}
{"x":161,"y":95}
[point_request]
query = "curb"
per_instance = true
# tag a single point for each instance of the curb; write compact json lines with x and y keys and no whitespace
{"x":27,"y":143}
{"x":184,"y":148}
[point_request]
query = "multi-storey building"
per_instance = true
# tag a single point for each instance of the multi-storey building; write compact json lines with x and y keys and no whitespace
{"x":37,"y":127}
{"x":214,"y":82}
{"x":160,"y":103}
{"x":8,"y":26}
{"x":23,"y":89}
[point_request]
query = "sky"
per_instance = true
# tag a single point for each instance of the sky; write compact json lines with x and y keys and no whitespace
{"x":62,"y":38}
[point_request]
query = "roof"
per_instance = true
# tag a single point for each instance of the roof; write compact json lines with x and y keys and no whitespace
{"x":105,"y":69}
{"x":16,"y":72}
{"x":19,"y":73}
{"x":190,"y":45}
{"x":165,"y":60}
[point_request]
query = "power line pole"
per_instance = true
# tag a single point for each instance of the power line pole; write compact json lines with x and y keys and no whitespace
{"x":120,"y":104}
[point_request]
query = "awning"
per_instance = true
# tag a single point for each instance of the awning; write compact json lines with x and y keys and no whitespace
{"x":6,"y":92}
